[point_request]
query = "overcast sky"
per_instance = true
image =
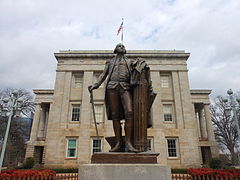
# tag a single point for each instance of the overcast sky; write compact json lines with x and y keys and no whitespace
{"x":32,"y":30}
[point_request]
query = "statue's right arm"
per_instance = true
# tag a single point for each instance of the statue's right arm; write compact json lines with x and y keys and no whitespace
{"x":103,"y":76}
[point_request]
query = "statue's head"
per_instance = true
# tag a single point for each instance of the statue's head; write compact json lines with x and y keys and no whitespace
{"x":120,"y":49}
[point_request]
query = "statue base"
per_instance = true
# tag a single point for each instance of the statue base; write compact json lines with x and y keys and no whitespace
{"x":124,"y":158}
{"x":124,"y":171}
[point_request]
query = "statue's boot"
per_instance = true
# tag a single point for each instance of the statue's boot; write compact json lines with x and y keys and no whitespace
{"x":128,"y":135}
{"x":118,"y":135}
{"x":129,"y":147}
{"x":116,"y":148}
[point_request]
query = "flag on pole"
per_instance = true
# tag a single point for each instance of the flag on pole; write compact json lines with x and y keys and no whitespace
{"x":120,"y":28}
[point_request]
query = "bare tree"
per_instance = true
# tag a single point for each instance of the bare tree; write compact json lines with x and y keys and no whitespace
{"x":27,"y":106}
{"x":224,"y":128}
{"x":20,"y":127}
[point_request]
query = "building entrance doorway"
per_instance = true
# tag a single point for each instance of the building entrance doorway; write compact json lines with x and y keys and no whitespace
{"x":206,"y":154}
{"x":38,"y":154}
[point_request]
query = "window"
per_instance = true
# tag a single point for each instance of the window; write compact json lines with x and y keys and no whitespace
{"x":96,"y":145}
{"x":149,"y":144}
{"x":78,"y":80}
{"x":165,"y":81}
{"x":167,"y":112}
{"x":75,"y":112}
{"x":72,"y":148}
{"x":99,"y":112}
{"x":172,"y":147}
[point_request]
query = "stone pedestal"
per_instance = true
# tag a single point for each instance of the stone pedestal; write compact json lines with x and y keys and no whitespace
{"x":124,"y":172}
{"x":124,"y":158}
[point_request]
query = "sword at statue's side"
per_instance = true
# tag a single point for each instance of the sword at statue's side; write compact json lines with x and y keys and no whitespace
{"x":94,"y":115}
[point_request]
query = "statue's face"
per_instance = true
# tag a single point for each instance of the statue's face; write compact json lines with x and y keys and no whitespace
{"x":120,"y":49}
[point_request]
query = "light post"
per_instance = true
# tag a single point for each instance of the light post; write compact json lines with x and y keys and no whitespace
{"x":10,"y":107}
{"x":233,"y":106}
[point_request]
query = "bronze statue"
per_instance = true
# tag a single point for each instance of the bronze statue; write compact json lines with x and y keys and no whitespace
{"x":124,"y":78}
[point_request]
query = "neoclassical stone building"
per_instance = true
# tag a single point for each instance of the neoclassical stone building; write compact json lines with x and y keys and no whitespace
{"x":63,"y":132}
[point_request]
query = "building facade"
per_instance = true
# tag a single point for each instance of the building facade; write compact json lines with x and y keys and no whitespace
{"x":63,"y":132}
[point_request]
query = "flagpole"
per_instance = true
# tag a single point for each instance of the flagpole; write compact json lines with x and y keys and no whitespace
{"x":122,"y":31}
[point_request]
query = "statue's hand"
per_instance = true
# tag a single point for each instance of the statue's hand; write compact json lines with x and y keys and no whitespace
{"x":92,"y":87}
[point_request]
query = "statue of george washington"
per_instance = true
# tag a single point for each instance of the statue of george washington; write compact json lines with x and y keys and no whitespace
{"x":124,"y":78}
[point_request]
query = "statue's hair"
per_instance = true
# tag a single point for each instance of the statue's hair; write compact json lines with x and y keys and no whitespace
{"x":116,"y":49}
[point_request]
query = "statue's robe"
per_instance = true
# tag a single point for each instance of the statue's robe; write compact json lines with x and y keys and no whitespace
{"x":143,"y":97}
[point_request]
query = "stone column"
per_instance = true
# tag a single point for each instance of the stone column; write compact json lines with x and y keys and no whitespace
{"x":46,"y":121}
{"x":157,"y":115}
{"x":85,"y":105}
{"x":202,"y":121}
{"x":41,"y":123}
{"x":188,"y":139}
{"x":65,"y":100}
{"x":208,"y":123}
{"x":54,"y":143}
{"x":84,"y":143}
{"x":157,"y":105}
{"x":177,"y":101}
{"x":186,"y":101}
{"x":35,"y":124}
{"x":198,"y":123}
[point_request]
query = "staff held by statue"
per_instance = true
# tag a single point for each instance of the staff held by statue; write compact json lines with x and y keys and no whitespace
{"x":93,"y":109}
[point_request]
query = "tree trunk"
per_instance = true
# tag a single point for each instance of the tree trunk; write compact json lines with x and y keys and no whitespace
{"x":233,"y":157}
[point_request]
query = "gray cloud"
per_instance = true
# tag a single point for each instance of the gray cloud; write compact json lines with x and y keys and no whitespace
{"x":32,"y":30}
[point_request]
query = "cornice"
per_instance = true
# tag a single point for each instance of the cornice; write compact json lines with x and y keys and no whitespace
{"x":131,"y":54}
{"x":43,"y":91}
{"x":200,"y":91}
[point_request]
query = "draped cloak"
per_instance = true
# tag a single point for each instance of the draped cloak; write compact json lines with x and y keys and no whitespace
{"x":143,"y":97}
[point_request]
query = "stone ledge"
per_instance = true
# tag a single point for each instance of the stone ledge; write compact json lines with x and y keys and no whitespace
{"x":124,"y":172}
